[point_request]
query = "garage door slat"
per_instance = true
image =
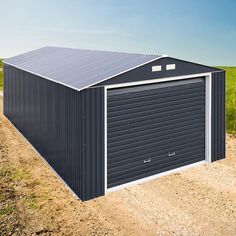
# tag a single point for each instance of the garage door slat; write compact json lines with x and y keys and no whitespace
{"x":157,"y":124}
{"x":153,"y":98}
{"x":138,"y":137}
{"x":143,"y":174}
{"x":151,"y":115}
{"x":135,"y":147}
{"x":135,"y":171}
{"x":117,"y":136}
{"x":158,"y":160}
{"x":132,"y":92}
{"x":146,"y":108}
{"x":160,"y":155}
{"x":180,"y":144}
{"x":167,"y":132}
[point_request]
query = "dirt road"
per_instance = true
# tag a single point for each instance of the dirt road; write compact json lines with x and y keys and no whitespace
{"x":33,"y":201}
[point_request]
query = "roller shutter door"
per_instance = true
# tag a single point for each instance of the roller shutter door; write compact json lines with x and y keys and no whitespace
{"x":154,"y":128}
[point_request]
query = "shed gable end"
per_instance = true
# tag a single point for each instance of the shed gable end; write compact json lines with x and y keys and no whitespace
{"x":161,"y":68}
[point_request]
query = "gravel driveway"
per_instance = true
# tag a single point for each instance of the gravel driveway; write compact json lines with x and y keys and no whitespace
{"x":199,"y":201}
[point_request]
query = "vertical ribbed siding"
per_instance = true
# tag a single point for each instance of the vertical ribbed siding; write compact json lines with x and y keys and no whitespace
{"x":65,"y":126}
{"x":93,"y":142}
{"x":218,"y":116}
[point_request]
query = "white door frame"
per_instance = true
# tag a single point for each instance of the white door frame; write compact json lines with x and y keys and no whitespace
{"x":208,"y":93}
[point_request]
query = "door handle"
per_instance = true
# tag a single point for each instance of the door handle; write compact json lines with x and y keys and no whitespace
{"x":147,"y":160}
{"x":171,"y":154}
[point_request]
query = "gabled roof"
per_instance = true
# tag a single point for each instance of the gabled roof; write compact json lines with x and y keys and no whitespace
{"x":77,"y":68}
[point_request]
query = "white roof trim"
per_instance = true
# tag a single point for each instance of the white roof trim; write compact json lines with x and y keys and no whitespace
{"x":132,"y":68}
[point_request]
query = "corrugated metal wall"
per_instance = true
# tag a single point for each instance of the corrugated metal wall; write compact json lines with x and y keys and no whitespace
{"x":218,"y":116}
{"x":64,"y":125}
{"x":92,"y":136}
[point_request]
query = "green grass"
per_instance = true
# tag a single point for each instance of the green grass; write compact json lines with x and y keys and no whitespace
{"x":30,"y":201}
{"x":230,"y":99}
{"x":6,"y":210}
{"x":1,"y":81}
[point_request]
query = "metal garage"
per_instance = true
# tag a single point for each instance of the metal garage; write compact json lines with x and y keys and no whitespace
{"x":106,"y":120}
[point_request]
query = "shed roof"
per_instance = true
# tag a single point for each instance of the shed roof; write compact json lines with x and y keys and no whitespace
{"x":77,"y":68}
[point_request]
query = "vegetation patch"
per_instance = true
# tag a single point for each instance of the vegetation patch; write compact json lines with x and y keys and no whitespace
{"x":32,"y":184}
{"x":12,"y":176}
{"x":30,"y":200}
{"x":1,"y":80}
{"x":5,"y":172}
{"x":6,"y":210}
{"x":10,"y":173}
{"x":230,"y":99}
{"x":19,"y":175}
{"x":9,"y":214}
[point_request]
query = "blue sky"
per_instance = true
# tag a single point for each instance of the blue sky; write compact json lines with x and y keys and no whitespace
{"x":197,"y":30}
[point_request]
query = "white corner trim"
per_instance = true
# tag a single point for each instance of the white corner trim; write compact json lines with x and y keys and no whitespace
{"x":105,"y":140}
{"x":207,"y":125}
{"x":208,"y":98}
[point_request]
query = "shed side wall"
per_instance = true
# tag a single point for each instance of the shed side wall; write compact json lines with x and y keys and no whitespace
{"x":47,"y":114}
{"x":218,"y":116}
{"x":65,"y":126}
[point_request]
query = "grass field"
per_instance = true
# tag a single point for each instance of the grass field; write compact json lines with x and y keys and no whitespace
{"x":230,"y":97}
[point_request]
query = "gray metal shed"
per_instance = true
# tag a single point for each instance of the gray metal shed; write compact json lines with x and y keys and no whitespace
{"x":105,"y":120}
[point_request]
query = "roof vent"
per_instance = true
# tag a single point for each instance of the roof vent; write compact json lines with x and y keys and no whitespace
{"x":170,"y":67}
{"x":156,"y":68}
